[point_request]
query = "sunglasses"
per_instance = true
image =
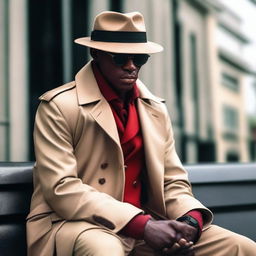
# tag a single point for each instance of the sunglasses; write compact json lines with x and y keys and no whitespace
{"x":120,"y":59}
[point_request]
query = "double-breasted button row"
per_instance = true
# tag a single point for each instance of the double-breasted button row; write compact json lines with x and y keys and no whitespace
{"x":103,"y":166}
{"x":103,"y":181}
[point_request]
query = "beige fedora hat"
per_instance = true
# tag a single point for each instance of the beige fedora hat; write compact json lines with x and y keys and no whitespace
{"x":120,"y":33}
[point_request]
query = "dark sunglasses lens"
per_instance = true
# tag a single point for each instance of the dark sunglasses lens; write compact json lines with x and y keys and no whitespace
{"x":138,"y":59}
{"x":120,"y":59}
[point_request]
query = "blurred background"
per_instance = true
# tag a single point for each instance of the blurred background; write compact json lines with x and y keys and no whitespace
{"x":207,"y":72}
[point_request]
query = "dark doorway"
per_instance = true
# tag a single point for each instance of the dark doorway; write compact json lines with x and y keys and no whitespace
{"x":232,"y":157}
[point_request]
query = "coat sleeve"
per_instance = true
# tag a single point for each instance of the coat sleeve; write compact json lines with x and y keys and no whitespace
{"x":178,"y":194}
{"x":56,"y":171}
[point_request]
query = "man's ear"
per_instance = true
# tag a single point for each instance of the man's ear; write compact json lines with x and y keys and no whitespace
{"x":94,"y":53}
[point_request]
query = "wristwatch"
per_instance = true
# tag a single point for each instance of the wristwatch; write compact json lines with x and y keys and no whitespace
{"x":190,"y":221}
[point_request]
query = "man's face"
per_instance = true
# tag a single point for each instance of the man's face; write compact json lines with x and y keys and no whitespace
{"x":120,"y":77}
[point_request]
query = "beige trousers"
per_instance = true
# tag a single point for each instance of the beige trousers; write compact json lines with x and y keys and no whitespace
{"x":215,"y":241}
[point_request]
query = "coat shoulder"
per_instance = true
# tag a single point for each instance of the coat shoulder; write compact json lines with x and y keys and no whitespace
{"x":49,"y":95}
{"x":147,"y":95}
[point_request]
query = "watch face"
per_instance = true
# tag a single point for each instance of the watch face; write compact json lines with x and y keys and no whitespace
{"x":190,"y":221}
{"x":193,"y":222}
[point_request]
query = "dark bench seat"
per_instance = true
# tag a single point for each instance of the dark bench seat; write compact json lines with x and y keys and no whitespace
{"x":15,"y":193}
{"x":229,"y":190}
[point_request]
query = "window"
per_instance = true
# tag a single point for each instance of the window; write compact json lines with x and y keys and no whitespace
{"x":230,"y":81}
{"x":230,"y":116}
{"x":193,"y":66}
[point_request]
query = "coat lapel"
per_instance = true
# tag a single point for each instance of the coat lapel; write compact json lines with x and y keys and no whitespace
{"x":90,"y":97}
{"x":103,"y":115}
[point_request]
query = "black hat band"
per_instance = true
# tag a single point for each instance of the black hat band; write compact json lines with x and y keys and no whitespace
{"x":119,"y":36}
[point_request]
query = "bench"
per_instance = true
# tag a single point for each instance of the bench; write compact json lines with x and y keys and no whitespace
{"x":15,"y":193}
{"x":229,"y":190}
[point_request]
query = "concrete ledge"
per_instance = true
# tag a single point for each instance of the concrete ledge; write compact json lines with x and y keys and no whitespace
{"x":219,"y":173}
{"x":229,"y":190}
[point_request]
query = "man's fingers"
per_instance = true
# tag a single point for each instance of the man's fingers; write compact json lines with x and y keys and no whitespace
{"x":177,"y":225}
{"x":183,"y":230}
{"x":184,"y":243}
{"x":186,"y":248}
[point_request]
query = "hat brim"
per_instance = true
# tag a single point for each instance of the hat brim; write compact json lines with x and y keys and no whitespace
{"x":148,"y":47}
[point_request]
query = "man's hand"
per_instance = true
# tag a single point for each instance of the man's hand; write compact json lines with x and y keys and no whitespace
{"x":170,"y":237}
{"x":161,"y":234}
{"x":189,"y":234}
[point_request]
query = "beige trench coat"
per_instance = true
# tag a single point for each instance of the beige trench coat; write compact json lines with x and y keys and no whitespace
{"x":77,"y":147}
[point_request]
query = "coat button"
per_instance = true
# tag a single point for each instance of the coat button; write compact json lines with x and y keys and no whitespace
{"x":102,"y":181}
{"x":135,"y":184}
{"x":104,"y":165}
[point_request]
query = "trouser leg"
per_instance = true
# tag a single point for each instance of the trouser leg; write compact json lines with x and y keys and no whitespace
{"x":218,"y":241}
{"x":142,"y":249}
{"x":215,"y":241}
{"x":99,"y":242}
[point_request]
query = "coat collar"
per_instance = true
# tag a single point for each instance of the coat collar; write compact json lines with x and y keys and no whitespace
{"x":88,"y":90}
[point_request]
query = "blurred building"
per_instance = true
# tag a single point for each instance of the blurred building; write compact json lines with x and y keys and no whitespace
{"x":201,"y":79}
{"x":232,"y":130}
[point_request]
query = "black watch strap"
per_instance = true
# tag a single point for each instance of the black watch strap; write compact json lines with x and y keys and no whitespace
{"x":190,"y":221}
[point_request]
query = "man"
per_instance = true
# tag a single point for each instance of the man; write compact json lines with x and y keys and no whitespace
{"x":107,"y":180}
